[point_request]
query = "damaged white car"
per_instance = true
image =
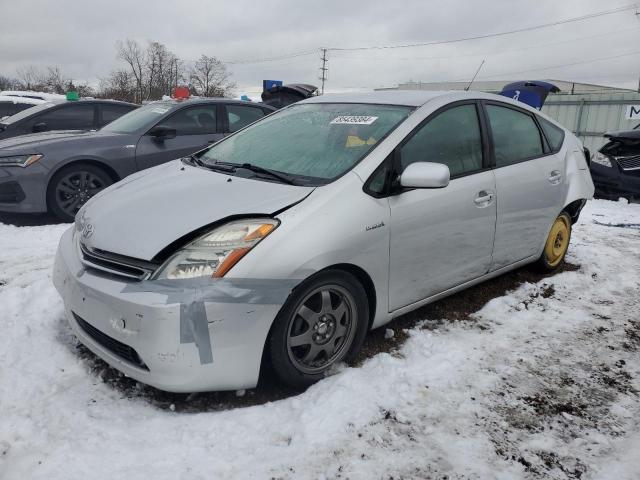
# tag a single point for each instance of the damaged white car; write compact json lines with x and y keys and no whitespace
{"x":290,"y":239}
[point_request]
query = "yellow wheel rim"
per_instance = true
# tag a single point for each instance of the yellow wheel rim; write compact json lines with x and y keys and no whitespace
{"x":557,"y":241}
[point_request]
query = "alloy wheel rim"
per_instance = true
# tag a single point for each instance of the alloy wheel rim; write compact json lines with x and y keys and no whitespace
{"x":558,"y":241}
{"x":322,"y":329}
{"x":75,"y":189}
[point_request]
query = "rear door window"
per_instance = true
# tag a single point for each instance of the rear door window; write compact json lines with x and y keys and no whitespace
{"x":111,"y":112}
{"x":200,"y":120}
{"x":67,"y":117}
{"x":240,"y":116}
{"x":515,"y":135}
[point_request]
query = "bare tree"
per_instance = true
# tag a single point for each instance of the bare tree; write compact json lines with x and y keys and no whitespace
{"x":130,"y":52}
{"x":8,"y":83}
{"x":54,"y":81}
{"x":119,"y":85}
{"x":31,"y":77}
{"x":210,"y":78}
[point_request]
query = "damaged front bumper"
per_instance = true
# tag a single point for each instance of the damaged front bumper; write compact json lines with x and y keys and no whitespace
{"x":176,"y":335}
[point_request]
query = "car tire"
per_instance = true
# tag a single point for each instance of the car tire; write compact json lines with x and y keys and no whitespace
{"x":323,"y":322}
{"x":556,"y":245}
{"x":72,"y":186}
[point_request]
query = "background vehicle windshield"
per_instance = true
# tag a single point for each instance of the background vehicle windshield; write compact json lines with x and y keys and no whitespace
{"x":26,"y":113}
{"x":316,"y":140}
{"x":142,"y":118}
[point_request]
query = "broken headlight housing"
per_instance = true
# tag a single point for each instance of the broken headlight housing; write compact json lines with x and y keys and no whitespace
{"x":215,"y":253}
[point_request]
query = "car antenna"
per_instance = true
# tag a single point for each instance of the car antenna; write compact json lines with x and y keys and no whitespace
{"x":466,"y":89}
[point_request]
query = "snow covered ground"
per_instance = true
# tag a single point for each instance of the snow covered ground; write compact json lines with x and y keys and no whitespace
{"x":542,"y":382}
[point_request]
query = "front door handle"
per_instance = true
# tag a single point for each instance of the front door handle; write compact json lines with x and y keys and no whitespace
{"x":484,"y":198}
{"x":554,"y":177}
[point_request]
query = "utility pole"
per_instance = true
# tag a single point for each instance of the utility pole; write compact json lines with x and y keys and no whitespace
{"x":323,"y":69}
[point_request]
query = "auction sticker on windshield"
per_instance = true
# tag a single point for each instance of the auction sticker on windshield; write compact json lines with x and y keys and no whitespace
{"x":159,"y":110}
{"x":354,"y":120}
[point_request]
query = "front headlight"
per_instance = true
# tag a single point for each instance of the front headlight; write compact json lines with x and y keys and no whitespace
{"x":601,"y":159}
{"x":214,"y":254}
{"x":19,"y":160}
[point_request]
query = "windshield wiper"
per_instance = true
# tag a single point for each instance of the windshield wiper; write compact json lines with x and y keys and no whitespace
{"x":265,"y":171}
{"x":212,"y":166}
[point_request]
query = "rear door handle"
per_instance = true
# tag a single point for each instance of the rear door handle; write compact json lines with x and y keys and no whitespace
{"x":484,"y":198}
{"x":554,"y":177}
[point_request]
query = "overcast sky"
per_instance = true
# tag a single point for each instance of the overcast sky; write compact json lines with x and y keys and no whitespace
{"x":80,"y":37}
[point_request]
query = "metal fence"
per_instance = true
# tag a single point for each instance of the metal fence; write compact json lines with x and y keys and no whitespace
{"x":589,"y":116}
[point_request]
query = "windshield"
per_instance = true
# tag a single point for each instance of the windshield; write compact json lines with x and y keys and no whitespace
{"x":27,"y":113}
{"x":142,"y":118}
{"x":316,"y":141}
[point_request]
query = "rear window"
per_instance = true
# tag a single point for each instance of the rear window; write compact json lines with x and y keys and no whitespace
{"x":555,"y":135}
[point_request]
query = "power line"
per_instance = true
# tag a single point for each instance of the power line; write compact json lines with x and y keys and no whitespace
{"x":438,"y":42}
{"x":493,"y":35}
{"x":272,"y":59}
{"x":338,"y":56}
{"x":560,"y":65}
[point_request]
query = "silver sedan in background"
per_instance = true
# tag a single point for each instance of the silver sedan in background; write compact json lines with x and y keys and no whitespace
{"x":293,"y":237}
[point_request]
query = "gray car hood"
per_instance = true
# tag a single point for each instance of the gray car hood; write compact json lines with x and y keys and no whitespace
{"x":144,"y":213}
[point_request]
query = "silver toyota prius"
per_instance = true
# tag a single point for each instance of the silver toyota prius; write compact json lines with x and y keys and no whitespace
{"x":290,"y":239}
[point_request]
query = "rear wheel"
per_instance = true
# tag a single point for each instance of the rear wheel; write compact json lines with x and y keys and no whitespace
{"x":323,"y":322}
{"x":557,"y":244}
{"x":73,"y":186}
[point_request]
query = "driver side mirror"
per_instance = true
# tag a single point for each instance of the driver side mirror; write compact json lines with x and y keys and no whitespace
{"x":161,"y":133}
{"x":39,"y":127}
{"x":425,"y":175}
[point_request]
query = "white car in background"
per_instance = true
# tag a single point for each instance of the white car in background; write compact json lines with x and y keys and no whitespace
{"x":10,"y":105}
{"x":49,"y":97}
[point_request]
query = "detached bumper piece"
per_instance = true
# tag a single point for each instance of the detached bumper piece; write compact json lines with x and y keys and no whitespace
{"x":125,"y":352}
{"x":11,"y":192}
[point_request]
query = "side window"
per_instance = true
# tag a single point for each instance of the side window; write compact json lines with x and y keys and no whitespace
{"x":240,"y":116}
{"x":452,"y":137}
{"x":200,"y":120}
{"x":515,"y":135}
{"x":111,"y":112}
{"x":6,"y":109}
{"x":68,"y":117}
{"x":555,"y":135}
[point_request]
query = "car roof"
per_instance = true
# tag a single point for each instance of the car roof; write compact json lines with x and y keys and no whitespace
{"x":411,"y":98}
{"x":94,"y":100}
{"x":209,"y":100}
{"x":26,"y":100}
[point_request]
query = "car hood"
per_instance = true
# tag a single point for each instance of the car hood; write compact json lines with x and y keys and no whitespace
{"x":32,"y":142}
{"x":141,"y":215}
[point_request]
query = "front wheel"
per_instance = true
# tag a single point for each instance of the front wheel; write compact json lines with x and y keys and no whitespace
{"x":556,"y":245}
{"x":323,"y":322}
{"x":73,"y":186}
